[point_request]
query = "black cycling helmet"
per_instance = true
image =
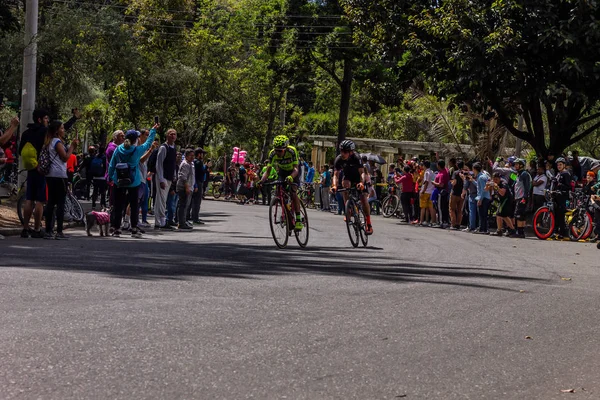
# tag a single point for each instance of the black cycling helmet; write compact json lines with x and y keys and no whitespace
{"x":347,"y":145}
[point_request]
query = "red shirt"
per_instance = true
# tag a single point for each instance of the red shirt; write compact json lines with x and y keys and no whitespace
{"x":407,"y":182}
{"x":71,"y":163}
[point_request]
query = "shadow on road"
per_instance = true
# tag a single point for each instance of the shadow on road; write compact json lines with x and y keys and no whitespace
{"x":171,"y":259}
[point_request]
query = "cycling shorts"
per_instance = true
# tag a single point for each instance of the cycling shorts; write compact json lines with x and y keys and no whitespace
{"x":521,"y":210}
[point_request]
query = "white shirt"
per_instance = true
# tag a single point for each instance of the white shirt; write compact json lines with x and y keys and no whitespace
{"x":58,"y":167}
{"x":539,"y":190}
{"x":428,"y":177}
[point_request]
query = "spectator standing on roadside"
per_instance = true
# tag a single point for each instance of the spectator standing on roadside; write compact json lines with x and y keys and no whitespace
{"x":56,"y":179}
{"x":30,"y":147}
{"x":166,"y":161}
{"x":144,"y":190}
{"x":407,"y":186}
{"x":441,"y":183}
{"x":540,"y":182}
{"x":505,"y":206}
{"x":324,"y":187}
{"x":456,"y":199}
{"x":96,"y":168}
{"x":123,"y":172}
{"x":470,"y":195}
{"x":172,"y":197}
{"x":118,"y":139}
{"x":425,"y":196}
{"x":200,"y":175}
{"x":483,"y":198}
{"x":186,"y":184}
{"x":521,"y":192}
{"x":563,"y":185}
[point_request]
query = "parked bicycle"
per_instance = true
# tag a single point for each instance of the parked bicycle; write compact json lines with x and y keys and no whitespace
{"x":355,"y":218}
{"x":390,"y":205}
{"x":282,"y":219}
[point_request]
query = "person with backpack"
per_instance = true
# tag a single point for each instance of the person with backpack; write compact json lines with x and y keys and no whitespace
{"x":123,"y":172}
{"x":96,"y":168}
{"x":56,"y":177}
{"x":30,"y":147}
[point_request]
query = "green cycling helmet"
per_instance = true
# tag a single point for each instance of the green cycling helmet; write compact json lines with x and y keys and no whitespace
{"x":281,"y":142}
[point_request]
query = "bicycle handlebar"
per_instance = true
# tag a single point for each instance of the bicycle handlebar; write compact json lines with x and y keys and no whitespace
{"x":274,"y":183}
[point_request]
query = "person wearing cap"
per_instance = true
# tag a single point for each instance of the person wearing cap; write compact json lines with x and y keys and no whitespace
{"x":521,"y":190}
{"x":127,"y":156}
{"x":200,"y":176}
{"x":563,"y":186}
{"x":505,"y":206}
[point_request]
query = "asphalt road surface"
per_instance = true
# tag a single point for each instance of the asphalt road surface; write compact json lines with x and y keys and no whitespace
{"x":221,"y":313}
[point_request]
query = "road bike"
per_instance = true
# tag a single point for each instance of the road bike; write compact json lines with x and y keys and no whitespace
{"x":73,"y":209}
{"x":390,"y":205}
{"x":356,"y":221}
{"x":282,"y":218}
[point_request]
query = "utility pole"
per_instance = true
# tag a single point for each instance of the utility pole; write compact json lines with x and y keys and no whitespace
{"x":29,"y":67}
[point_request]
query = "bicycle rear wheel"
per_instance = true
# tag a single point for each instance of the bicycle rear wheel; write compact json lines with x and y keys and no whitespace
{"x":352,"y":222}
{"x":279,"y":222}
{"x":389,"y":207}
{"x":216,"y":190}
{"x":543,"y":223}
{"x":364,"y":238}
{"x":21,"y":208}
{"x":302,"y":236}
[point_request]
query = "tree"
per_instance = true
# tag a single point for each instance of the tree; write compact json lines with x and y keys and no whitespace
{"x":535,"y":58}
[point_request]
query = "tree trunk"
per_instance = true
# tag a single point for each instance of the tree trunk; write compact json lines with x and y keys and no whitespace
{"x":274,"y":106}
{"x":346,"y":89}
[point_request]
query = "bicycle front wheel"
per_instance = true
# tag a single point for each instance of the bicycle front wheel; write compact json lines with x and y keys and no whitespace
{"x":73,"y":208}
{"x":302,"y":236}
{"x":364,"y":238}
{"x":352,"y":222}
{"x":216,"y":191}
{"x":389,"y":206}
{"x":580,"y":226}
{"x":279,"y":222}
{"x":543,"y":223}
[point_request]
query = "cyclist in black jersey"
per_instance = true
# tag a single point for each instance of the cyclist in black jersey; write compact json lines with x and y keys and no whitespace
{"x":354,"y":175}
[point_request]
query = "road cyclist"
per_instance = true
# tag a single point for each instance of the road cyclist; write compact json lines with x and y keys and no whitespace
{"x":349,"y":163}
{"x":284,"y":158}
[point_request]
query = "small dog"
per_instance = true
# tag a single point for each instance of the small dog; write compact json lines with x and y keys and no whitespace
{"x":100,"y":218}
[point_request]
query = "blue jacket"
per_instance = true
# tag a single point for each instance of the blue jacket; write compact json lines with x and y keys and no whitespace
{"x":482,"y":179}
{"x":132,"y":157}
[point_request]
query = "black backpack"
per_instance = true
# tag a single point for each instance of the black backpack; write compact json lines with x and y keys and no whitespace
{"x":152,"y":160}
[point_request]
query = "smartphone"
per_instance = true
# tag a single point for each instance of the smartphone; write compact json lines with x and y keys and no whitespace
{"x":156,"y":119}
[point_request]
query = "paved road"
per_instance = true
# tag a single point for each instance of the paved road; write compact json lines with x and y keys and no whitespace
{"x":220,"y":313}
